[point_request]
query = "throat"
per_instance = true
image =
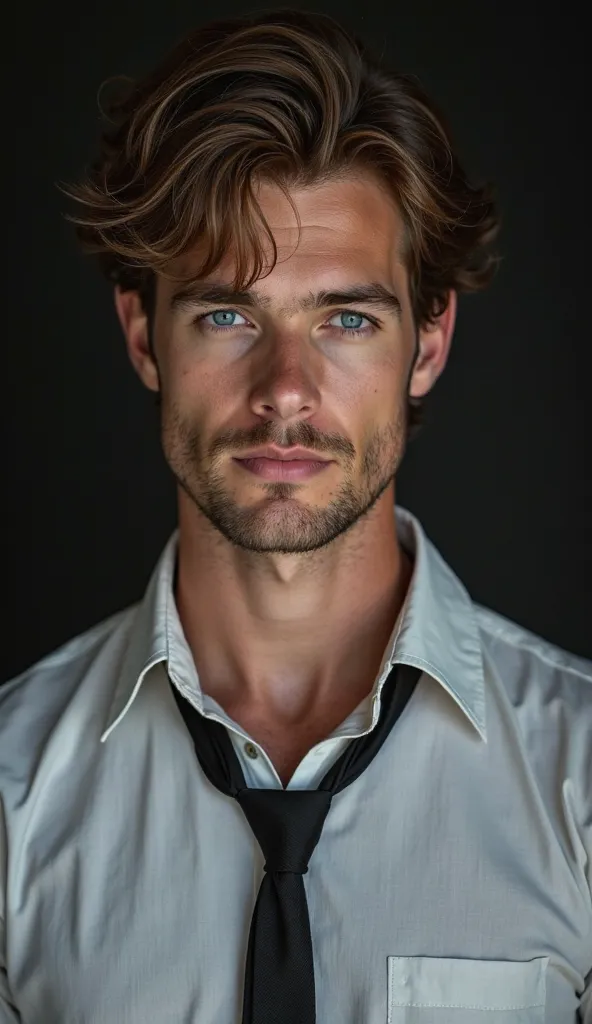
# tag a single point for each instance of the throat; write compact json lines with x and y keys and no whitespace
{"x":287,"y":745}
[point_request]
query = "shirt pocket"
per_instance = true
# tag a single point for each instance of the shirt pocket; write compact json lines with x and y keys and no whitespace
{"x":440,"y":990}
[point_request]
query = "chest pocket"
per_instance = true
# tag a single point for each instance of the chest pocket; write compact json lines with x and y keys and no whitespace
{"x":438,"y":990}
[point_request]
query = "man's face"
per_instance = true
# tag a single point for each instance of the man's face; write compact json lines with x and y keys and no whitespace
{"x":333,"y":379}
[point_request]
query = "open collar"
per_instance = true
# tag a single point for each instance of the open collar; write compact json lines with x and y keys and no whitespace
{"x":437,"y":631}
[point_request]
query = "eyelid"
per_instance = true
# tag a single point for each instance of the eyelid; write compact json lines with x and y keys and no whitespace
{"x":219,"y":309}
{"x":357,"y":312}
{"x":344,"y":309}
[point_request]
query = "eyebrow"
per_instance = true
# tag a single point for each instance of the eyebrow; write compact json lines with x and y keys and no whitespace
{"x":209,"y":293}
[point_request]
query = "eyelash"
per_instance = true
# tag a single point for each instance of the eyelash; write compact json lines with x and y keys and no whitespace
{"x":349,"y":331}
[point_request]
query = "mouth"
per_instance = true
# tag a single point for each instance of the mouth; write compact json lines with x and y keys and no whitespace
{"x":283,"y":470}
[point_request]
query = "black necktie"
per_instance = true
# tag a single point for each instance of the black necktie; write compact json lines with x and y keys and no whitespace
{"x":279,"y":973}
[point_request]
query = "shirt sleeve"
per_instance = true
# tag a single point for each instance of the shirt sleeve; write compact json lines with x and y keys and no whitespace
{"x":584,"y":760}
{"x":586,"y":1002}
{"x":8,"y":1013}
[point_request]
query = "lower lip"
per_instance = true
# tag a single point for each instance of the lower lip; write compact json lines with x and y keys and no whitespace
{"x":274,"y":469}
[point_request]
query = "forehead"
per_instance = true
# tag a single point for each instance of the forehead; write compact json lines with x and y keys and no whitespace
{"x":337,"y":211}
{"x":350,"y":229}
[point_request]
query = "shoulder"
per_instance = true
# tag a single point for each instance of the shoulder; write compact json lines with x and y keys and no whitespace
{"x":34,"y":702}
{"x":522,"y":655}
{"x":550,"y":691}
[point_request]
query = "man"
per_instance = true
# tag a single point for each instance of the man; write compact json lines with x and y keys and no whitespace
{"x":306,"y":778}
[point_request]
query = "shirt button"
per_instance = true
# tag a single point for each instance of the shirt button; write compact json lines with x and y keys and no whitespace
{"x":251,"y":750}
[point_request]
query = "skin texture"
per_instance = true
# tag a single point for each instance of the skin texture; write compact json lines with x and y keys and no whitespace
{"x":288,"y":592}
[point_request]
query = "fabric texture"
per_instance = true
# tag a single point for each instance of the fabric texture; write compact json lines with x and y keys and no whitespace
{"x":279,"y":973}
{"x":457,"y":869}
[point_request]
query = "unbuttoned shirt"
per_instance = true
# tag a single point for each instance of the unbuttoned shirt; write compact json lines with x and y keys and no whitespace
{"x":452,"y":883}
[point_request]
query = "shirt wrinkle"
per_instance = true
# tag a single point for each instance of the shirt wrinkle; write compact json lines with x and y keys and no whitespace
{"x":455,"y":871}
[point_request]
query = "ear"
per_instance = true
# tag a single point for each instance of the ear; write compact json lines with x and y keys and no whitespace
{"x":434,"y":347}
{"x":134,"y":322}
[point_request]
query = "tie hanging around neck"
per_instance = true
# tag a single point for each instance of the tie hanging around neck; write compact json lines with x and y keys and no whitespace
{"x":279,"y":973}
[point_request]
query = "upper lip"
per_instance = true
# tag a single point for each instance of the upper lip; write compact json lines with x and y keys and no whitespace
{"x":283,"y":454}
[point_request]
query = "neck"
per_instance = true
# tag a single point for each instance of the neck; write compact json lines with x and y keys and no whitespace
{"x":284,"y":654}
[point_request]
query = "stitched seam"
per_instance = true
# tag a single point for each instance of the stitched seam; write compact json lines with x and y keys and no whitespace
{"x":499,"y":632}
{"x":471,"y":1006}
{"x":413,"y":659}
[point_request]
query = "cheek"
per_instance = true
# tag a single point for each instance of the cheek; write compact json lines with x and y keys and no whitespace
{"x":182,"y":383}
{"x":384,"y":406}
{"x":386,"y":381}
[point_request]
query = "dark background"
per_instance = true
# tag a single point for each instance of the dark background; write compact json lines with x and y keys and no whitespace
{"x":501,"y":477}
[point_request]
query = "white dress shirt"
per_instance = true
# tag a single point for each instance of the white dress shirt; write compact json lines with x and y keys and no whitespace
{"x":452,"y":883}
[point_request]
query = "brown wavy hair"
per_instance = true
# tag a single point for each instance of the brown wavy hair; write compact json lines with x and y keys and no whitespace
{"x":293,"y":99}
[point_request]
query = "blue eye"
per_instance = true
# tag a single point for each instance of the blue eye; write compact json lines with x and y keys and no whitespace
{"x":350,"y":325}
{"x":223,"y":317}
{"x":347,"y":316}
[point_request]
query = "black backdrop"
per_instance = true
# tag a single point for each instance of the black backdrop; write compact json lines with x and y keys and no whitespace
{"x":501,"y":478}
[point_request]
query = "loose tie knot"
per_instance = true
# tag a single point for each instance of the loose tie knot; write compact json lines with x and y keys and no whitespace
{"x":279,"y":969}
{"x":287,"y":824}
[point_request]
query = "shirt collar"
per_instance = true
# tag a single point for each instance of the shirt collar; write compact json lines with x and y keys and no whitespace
{"x":437,"y":631}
